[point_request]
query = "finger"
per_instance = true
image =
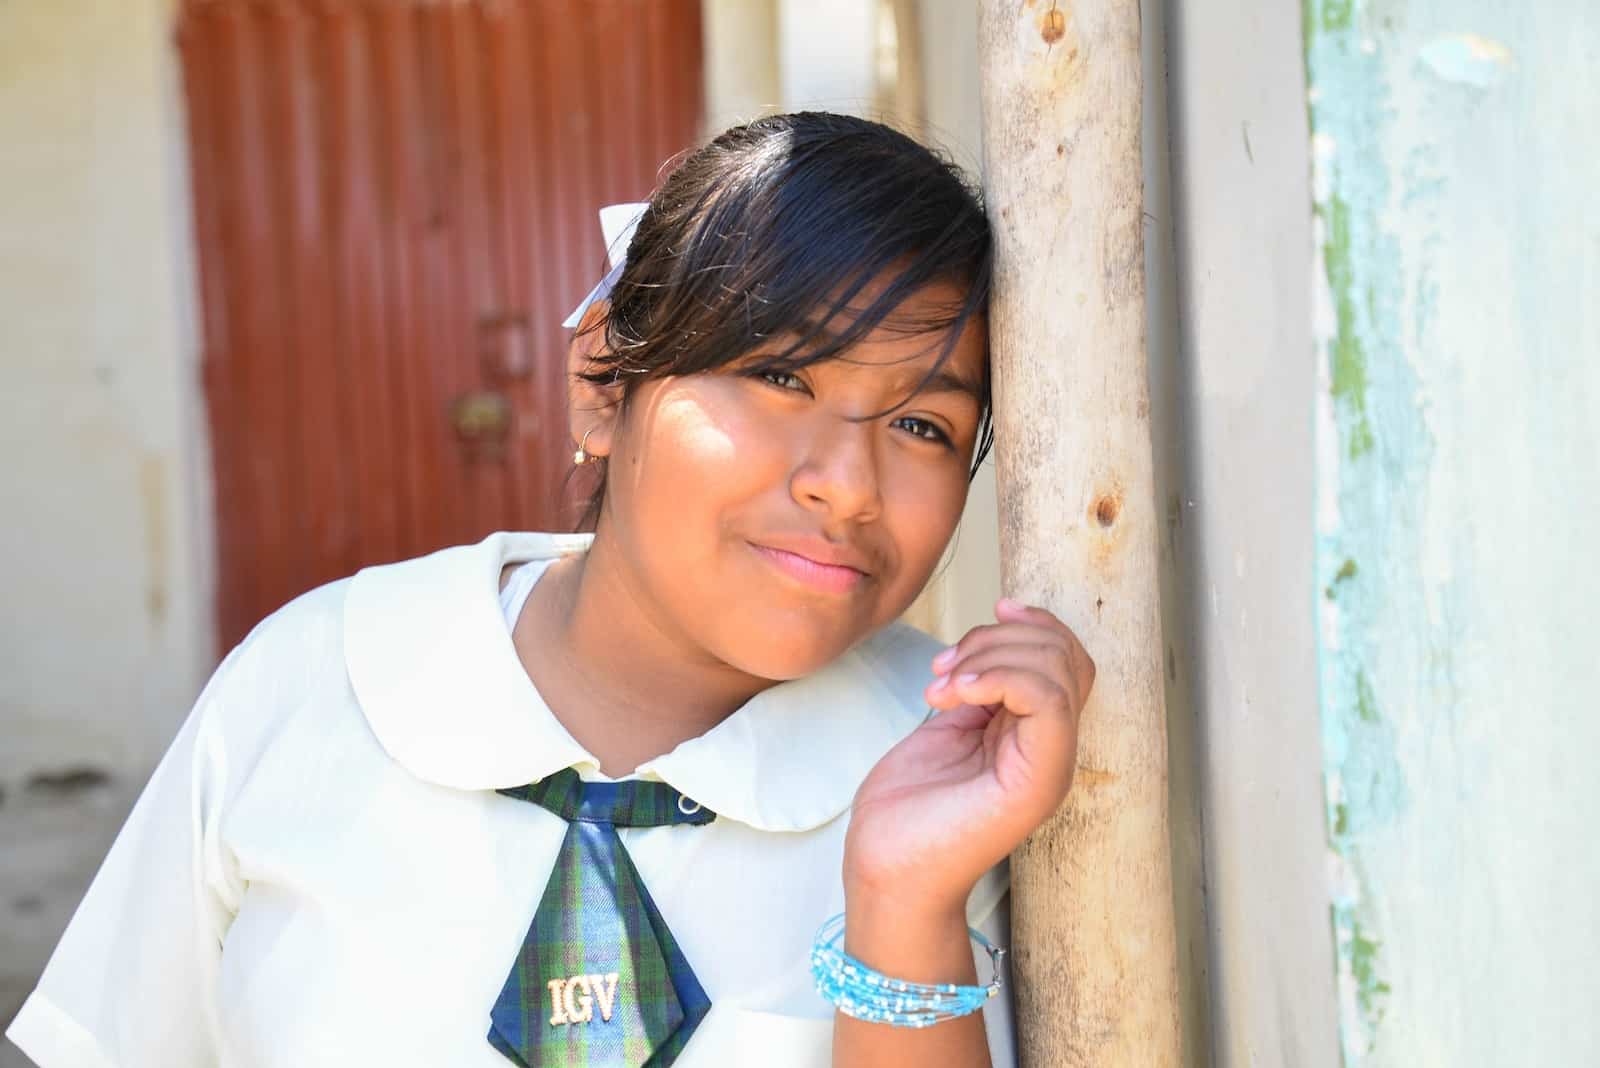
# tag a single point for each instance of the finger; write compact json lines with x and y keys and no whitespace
{"x":990,"y":634}
{"x":961,"y":718}
{"x":1023,"y":691}
{"x":1050,"y":659}
{"x":1018,"y":621}
{"x":1011,"y":610}
{"x":1040,"y":732}
{"x":1068,"y":666}
{"x":942,"y":696}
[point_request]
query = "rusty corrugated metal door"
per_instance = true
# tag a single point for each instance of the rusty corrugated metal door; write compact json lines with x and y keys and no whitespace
{"x":395,"y":206}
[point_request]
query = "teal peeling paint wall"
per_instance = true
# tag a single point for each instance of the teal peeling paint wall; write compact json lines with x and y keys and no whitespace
{"x":1456,"y":171}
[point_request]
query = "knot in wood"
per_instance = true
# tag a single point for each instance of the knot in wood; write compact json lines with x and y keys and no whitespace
{"x":1053,"y":26}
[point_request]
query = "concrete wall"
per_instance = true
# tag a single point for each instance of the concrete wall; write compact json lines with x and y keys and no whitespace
{"x":1179,"y":463}
{"x":104,"y":550}
{"x":1456,"y":147}
{"x":1239,"y":613}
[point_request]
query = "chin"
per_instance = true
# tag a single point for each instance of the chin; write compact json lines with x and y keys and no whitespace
{"x":789,"y":651}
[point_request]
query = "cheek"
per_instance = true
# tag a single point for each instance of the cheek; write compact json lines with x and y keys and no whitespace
{"x":689,"y":433}
{"x":696,"y":443}
{"x":922,"y":512}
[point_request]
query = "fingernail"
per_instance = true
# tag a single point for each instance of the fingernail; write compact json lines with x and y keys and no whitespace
{"x":1007,"y":602}
{"x":962,"y":680}
{"x":941,"y":682}
{"x":944,"y":657}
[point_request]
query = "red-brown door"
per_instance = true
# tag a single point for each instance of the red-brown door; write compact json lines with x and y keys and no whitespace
{"x":395,"y":207}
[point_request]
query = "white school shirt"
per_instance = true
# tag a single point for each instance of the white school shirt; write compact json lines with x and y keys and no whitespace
{"x":320,"y":871}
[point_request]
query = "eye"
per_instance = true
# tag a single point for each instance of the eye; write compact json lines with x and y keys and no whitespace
{"x":922,"y":428}
{"x":784,"y":380}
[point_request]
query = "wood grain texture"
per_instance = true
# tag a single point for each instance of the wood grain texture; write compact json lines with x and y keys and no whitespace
{"x":1093,"y":932}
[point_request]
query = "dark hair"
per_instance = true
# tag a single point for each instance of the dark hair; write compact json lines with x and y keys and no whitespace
{"x":775,"y":227}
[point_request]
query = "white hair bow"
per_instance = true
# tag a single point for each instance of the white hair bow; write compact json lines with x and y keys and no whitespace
{"x":617,"y":224}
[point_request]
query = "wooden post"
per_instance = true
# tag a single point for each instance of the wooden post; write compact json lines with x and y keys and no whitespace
{"x":1095,"y":959}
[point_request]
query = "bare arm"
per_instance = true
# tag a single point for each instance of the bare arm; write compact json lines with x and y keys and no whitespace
{"x":947,"y":804}
{"x":922,"y":947}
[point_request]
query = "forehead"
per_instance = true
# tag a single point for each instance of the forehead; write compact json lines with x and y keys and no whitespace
{"x":911,"y":338}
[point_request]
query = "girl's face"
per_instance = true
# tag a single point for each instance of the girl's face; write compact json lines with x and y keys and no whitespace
{"x":766,"y":522}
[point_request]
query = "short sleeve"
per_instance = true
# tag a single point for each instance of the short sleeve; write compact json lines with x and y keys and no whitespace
{"x":133,"y":980}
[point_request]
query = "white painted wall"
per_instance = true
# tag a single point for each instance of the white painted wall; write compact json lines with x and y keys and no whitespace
{"x":967,"y":585}
{"x":949,"y":41}
{"x":828,"y":51}
{"x":742,"y":64}
{"x":105,"y":543}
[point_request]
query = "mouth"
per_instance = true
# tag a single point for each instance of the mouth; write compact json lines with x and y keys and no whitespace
{"x":819,"y":575}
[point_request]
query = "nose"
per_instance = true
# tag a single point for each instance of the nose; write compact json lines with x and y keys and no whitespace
{"x":837,"y":476}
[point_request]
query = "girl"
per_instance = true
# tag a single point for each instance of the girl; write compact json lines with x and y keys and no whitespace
{"x":591,"y":799}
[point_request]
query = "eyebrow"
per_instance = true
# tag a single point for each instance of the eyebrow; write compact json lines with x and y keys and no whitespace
{"x":945,"y":380}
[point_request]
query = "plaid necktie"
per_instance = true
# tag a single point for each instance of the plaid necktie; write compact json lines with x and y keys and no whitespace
{"x":599,"y":981}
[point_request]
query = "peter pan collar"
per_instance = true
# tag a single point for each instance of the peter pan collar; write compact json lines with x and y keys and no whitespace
{"x":432,"y":664}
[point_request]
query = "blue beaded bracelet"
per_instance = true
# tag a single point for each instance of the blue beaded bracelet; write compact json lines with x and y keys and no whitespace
{"x":862,"y":993}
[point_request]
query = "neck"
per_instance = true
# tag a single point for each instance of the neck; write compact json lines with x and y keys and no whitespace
{"x":625,"y":683}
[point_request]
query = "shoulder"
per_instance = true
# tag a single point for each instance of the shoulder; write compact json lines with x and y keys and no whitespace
{"x":296,"y":645}
{"x":377,"y":621}
{"x":290,"y":661}
{"x":311,"y":619}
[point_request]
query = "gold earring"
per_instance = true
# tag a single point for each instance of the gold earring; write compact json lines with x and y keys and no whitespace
{"x":581,"y":457}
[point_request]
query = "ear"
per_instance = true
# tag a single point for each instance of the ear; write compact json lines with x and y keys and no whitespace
{"x":592,"y":410}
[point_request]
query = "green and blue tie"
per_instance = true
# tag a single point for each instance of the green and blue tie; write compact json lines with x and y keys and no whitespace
{"x":599,"y":981}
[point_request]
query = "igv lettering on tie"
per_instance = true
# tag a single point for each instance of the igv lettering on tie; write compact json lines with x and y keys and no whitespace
{"x":571,"y":1003}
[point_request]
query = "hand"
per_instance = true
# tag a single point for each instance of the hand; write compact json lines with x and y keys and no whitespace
{"x":965,"y":788}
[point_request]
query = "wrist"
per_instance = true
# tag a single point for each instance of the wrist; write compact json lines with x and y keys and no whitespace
{"x":883,"y":904}
{"x":872,"y":890}
{"x":919,"y":941}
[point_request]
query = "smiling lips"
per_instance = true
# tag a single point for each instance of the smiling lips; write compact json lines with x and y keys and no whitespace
{"x":826,"y":576}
